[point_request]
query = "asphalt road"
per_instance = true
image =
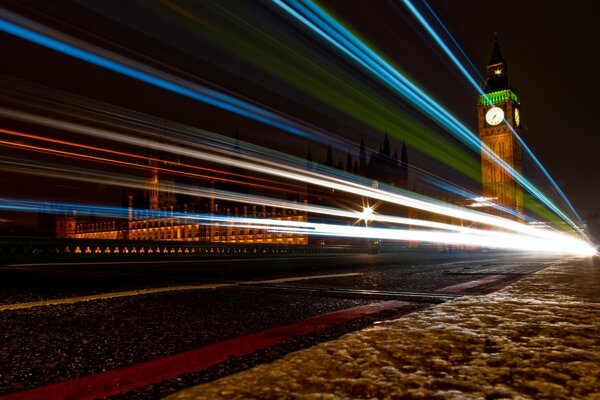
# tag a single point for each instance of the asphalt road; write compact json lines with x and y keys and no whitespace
{"x":62,"y":321}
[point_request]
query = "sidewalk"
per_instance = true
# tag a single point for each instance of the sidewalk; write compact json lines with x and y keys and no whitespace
{"x":539,"y":338}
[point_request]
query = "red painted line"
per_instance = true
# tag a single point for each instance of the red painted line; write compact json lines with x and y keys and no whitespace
{"x":501,"y":285}
{"x":155,"y":371}
{"x":463,"y":287}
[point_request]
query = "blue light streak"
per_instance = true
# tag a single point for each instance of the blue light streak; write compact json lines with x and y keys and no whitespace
{"x":477,"y":87}
{"x":311,"y":15}
{"x":199,"y":93}
{"x":464,"y":54}
{"x":558,"y":244}
{"x":440,"y":42}
{"x":332,"y":32}
{"x":451,"y":188}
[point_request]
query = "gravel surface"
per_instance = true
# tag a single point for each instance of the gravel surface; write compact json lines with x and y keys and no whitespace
{"x":537,"y":339}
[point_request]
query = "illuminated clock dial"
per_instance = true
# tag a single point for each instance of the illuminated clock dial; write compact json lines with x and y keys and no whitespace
{"x":494,"y":116}
{"x":517,"y":117}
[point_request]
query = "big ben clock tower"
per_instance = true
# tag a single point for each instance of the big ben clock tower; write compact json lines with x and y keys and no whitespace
{"x":498,"y":108}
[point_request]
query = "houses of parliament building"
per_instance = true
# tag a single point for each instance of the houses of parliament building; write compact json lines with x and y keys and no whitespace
{"x":172,"y":223}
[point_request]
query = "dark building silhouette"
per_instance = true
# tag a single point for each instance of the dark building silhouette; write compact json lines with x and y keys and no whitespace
{"x":386,"y":168}
{"x":382,"y":167}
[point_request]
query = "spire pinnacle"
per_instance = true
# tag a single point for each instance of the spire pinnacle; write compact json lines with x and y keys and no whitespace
{"x":496,"y":57}
{"x":496,"y":71}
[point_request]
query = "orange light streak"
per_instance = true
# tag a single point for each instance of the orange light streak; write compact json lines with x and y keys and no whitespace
{"x":134,"y":165}
{"x":123,"y":163}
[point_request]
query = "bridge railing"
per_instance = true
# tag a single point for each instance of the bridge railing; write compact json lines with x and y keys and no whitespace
{"x":26,"y":248}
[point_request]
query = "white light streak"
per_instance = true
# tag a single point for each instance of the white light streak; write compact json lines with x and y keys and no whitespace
{"x":547,"y":242}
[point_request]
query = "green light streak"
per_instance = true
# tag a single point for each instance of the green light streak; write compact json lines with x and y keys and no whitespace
{"x":246,"y":37}
{"x":532,"y":205}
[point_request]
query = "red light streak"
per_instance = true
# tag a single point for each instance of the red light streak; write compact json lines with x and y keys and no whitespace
{"x":87,"y":157}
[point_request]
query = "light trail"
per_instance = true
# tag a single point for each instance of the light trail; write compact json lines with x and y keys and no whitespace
{"x":501,"y":240}
{"x":138,"y":183}
{"x":246,"y":199}
{"x":507,"y":241}
{"x":209,"y":96}
{"x":147,"y":74}
{"x":458,"y":46}
{"x":422,"y":20}
{"x":325,"y":26}
{"x":463,"y":193}
{"x":277,"y":169}
{"x":327,"y":80}
{"x":145,"y":125}
{"x":403,"y":198}
{"x":113,"y":179}
{"x":135,"y":165}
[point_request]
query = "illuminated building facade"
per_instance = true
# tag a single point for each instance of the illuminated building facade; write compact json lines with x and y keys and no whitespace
{"x":160,"y":198}
{"x":159,"y":212}
{"x":178,"y":228}
{"x":499,"y":105}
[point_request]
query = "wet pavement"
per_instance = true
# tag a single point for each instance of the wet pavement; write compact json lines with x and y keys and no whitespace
{"x":536,"y":339}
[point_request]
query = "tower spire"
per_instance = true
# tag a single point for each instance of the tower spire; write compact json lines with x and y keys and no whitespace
{"x":496,"y":57}
{"x":496,"y":72}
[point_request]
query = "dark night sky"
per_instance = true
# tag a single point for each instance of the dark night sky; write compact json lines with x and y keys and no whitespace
{"x":550,"y":48}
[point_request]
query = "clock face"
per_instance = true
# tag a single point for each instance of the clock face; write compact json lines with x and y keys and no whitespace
{"x":494,"y":116}
{"x":517,"y":117}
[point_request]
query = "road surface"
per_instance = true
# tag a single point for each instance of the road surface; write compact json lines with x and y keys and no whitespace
{"x":151,"y":321}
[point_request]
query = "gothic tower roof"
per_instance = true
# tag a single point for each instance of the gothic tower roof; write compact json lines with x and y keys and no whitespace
{"x":496,"y":73}
{"x":496,"y":57}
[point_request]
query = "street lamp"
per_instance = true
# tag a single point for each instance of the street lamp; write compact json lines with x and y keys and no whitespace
{"x":367,"y":214}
